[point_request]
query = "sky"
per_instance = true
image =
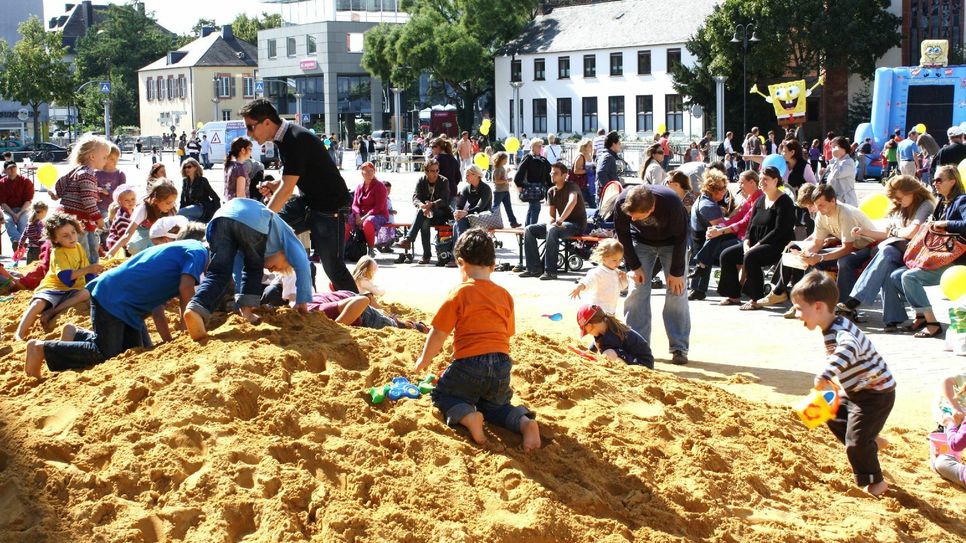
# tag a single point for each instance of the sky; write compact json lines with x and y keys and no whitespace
{"x":179,"y":16}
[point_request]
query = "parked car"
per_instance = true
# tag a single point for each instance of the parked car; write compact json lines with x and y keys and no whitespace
{"x":381,"y":139}
{"x":41,"y":152}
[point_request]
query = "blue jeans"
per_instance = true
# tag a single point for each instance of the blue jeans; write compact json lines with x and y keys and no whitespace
{"x":591,"y":186}
{"x":876,"y":277}
{"x":111,"y":337}
{"x":15,"y":227}
{"x":553,"y":235}
{"x":912,"y":283}
{"x":227,"y":238}
{"x":194,"y":212}
{"x":328,"y":238}
{"x":849,"y":271}
{"x":460,"y":226}
{"x":90,"y":241}
{"x":505,"y":199}
{"x":533,"y":213}
{"x":373,"y":318}
{"x":479,"y":383}
{"x":637,"y":306}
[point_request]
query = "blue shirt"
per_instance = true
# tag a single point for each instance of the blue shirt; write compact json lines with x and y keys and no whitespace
{"x":703,"y":213}
{"x":148,"y":280}
{"x":281,"y":238}
{"x":907,"y":149}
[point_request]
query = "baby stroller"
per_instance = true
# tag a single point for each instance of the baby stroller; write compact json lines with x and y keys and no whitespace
{"x":600,"y":225}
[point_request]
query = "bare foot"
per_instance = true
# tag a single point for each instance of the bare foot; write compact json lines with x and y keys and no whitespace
{"x":877,"y":489}
{"x":21,"y":335}
{"x":474,"y":423}
{"x":882,"y":442}
{"x":48,"y":320}
{"x":35,"y":358}
{"x":249,"y":316}
{"x":195,"y":324}
{"x":68,"y":333}
{"x":531,"y":434}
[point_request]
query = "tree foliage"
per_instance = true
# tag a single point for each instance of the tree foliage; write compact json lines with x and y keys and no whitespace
{"x":114,"y":49}
{"x":453,"y":40}
{"x":246,"y":28}
{"x":798,"y":38}
{"x":34,"y":71}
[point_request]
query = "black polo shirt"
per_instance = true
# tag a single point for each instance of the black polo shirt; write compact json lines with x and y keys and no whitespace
{"x":303,"y":154}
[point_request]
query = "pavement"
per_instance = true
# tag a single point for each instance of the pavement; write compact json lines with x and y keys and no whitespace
{"x":756,"y":354}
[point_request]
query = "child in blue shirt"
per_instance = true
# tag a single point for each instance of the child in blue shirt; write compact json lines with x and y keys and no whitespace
{"x":247,"y":229}
{"x":612,"y":338}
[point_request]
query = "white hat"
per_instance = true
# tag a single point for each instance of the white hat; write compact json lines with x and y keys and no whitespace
{"x":168,"y":227}
{"x":954,"y":131}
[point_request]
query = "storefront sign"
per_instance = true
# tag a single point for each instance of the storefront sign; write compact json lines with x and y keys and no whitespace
{"x":309,"y":64}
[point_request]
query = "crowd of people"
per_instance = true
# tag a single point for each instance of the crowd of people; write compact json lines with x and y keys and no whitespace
{"x":241,"y":249}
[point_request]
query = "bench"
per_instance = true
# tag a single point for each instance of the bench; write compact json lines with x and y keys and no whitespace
{"x":518,"y":232}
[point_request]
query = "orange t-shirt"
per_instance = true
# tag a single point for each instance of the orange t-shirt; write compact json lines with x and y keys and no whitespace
{"x":480,"y":313}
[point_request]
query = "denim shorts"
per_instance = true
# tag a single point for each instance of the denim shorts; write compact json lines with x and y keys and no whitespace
{"x":479,"y":383}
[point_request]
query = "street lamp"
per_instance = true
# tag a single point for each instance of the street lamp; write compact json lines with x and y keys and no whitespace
{"x":514,"y":107}
{"x":214,"y":99}
{"x":719,"y":81}
{"x":396,"y":113}
{"x":744,"y":30}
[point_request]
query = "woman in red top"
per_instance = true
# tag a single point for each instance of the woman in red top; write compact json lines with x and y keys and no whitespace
{"x":369,"y":205}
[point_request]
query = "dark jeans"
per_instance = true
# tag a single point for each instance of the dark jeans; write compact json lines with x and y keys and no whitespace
{"x":708,"y":255}
{"x":786,"y":278}
{"x":226,"y":239}
{"x":505,"y":199}
{"x":328,"y":238}
{"x":421,"y":225}
{"x":754,"y":261}
{"x":589,"y":199}
{"x":479,"y":383}
{"x":111,"y":337}
{"x":533,"y":213}
{"x":859,"y":420}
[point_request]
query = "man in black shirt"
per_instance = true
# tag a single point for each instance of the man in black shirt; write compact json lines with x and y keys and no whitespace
{"x":323,"y":193}
{"x":953,"y":152}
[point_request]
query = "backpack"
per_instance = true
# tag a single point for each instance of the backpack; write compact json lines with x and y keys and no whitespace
{"x":356,"y":247}
{"x":720,"y":151}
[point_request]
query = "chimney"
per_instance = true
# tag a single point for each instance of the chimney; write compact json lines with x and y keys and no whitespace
{"x":226,"y":33}
{"x":206,"y":31}
{"x":175,"y":57}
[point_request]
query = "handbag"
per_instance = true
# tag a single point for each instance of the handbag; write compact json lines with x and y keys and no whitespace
{"x":356,"y":247}
{"x":486,"y":220}
{"x":931,"y":249}
{"x":533,"y":192}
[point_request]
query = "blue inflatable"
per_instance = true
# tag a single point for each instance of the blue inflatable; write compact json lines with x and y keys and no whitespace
{"x":777,"y":161}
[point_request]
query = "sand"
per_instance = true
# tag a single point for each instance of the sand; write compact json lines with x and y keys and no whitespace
{"x":264,"y":433}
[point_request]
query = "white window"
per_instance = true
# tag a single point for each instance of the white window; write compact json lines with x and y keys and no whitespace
{"x":249,"y":86}
{"x":161,"y":89}
{"x":272,"y":49}
{"x":226,"y":114}
{"x":224,"y":86}
{"x":354,"y":42}
{"x":311,"y":46}
{"x":290,"y":47}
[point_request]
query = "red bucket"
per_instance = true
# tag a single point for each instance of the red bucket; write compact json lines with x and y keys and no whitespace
{"x":938,"y":445}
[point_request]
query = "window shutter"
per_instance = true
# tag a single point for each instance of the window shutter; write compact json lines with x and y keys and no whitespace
{"x":232,"y":91}
{"x":147,"y":90}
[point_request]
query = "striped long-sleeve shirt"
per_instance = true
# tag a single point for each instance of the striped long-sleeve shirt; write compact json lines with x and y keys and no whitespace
{"x":33,"y":236}
{"x":853,"y":359}
{"x":79,"y":196}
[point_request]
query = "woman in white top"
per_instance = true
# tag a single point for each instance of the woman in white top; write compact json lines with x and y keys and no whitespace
{"x":840,"y":172}
{"x":552,"y":151}
{"x":651,"y":172}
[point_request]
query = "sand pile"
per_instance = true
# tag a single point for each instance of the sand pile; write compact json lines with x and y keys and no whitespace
{"x":263,"y":433}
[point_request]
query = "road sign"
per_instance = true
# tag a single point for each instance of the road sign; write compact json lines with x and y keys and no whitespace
{"x":259,"y":87}
{"x":105,"y":87}
{"x":305,"y":119}
{"x":697,"y":111}
{"x":23,"y":114}
{"x":290,"y":82}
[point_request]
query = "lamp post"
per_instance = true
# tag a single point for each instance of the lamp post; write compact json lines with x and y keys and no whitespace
{"x":396,"y":114}
{"x":514,"y":107}
{"x":719,"y":81}
{"x":298,"y":107}
{"x":214,"y":98}
{"x":744,"y":30}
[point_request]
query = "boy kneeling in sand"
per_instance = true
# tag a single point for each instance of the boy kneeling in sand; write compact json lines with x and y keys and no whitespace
{"x":476,"y":385}
{"x":868,"y":390}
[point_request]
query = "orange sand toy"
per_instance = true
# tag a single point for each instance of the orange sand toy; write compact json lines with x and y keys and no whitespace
{"x":818,"y":407}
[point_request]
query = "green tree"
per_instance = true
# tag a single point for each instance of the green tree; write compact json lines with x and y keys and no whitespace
{"x":453,"y":40}
{"x":125,"y":41}
{"x":34,"y":71}
{"x":246,"y":28}
{"x":185,"y":39}
{"x":798,"y":39}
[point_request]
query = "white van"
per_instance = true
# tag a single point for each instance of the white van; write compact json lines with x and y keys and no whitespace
{"x":221,"y":134}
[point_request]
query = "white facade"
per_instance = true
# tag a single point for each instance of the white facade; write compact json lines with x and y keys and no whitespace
{"x":655,"y":90}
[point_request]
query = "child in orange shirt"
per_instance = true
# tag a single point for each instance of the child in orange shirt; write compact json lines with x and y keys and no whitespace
{"x":476,"y":385}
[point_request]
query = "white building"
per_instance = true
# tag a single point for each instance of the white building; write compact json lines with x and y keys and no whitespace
{"x":603,"y":65}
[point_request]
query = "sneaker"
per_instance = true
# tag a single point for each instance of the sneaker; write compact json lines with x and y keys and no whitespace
{"x":657,"y":283}
{"x":773,"y":299}
{"x":548,"y":277}
{"x":679,"y":358}
{"x":529,"y":274}
{"x":424,"y":260}
{"x":790,"y":314}
{"x":518,"y":269}
{"x":515,"y":225}
{"x":696,"y":295}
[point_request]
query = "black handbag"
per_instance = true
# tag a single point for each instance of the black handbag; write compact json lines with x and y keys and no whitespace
{"x":356,"y":247}
{"x":533,"y":192}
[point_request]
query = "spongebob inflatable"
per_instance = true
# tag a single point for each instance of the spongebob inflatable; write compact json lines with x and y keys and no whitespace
{"x":788,"y":99}
{"x":934,"y":54}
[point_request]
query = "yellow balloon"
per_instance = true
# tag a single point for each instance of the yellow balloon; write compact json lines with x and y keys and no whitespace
{"x":200,"y":125}
{"x":953,"y":282}
{"x":481,"y":160}
{"x":762,"y":138}
{"x":962,"y":172}
{"x":662,"y":128}
{"x":920,"y":128}
{"x":47,"y":175}
{"x":875,"y":206}
{"x":485,"y":127}
{"x":512,"y":144}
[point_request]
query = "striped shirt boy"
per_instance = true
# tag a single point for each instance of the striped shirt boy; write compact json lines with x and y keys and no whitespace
{"x":853,"y":359}
{"x":33,"y":236}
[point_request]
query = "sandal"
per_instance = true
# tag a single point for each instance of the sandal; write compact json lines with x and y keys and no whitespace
{"x":925,"y":333}
{"x":730,"y":301}
{"x":750,"y":306}
{"x":918,"y":324}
